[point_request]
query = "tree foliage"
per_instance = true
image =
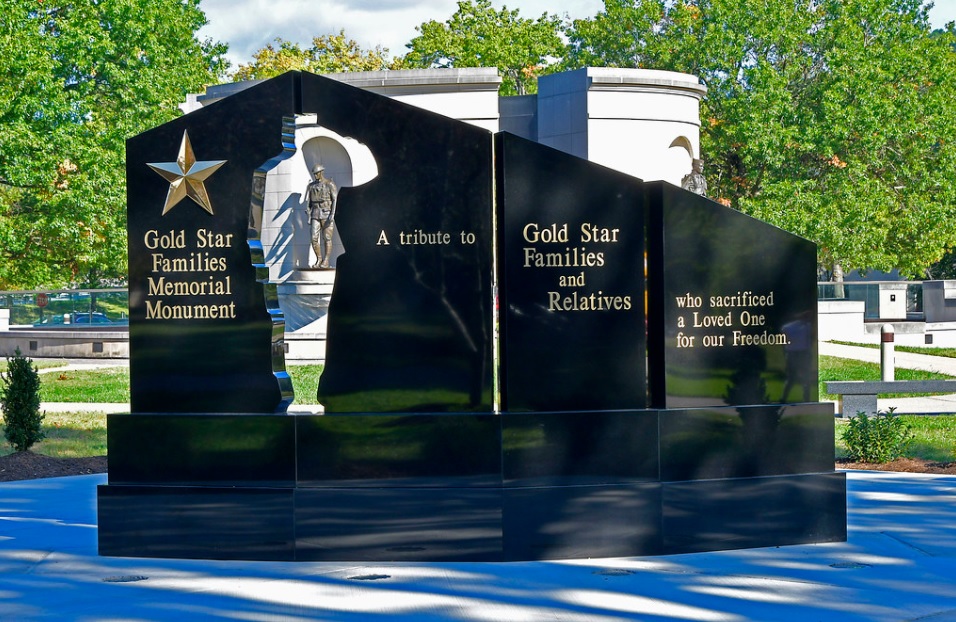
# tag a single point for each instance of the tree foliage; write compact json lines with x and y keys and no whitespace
{"x":79,"y":78}
{"x":478,"y":35}
{"x":833,"y":119}
{"x":332,"y":53}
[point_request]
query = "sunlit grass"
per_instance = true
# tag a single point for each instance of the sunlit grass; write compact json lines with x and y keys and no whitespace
{"x":305,"y":382}
{"x":833,"y":368}
{"x":109,"y":384}
{"x":82,"y":434}
{"x":69,"y":435}
{"x":934,"y":437}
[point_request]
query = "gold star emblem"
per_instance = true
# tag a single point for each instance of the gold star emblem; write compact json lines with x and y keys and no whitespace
{"x":186,"y":176}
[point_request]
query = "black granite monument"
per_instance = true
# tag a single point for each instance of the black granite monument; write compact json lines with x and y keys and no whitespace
{"x":656,"y":356}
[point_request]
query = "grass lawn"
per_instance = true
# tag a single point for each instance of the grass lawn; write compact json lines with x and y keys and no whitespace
{"x":305,"y":382}
{"x":833,"y":368}
{"x":934,"y":437}
{"x":69,"y":435}
{"x":75,"y":435}
{"x":84,"y":434}
{"x":111,"y":384}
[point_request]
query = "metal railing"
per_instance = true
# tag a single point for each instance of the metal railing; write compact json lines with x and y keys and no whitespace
{"x":74,"y":308}
{"x":110,"y":307}
{"x":869,"y":293}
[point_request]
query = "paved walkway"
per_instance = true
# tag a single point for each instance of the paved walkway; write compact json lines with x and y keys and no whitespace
{"x":906,"y":360}
{"x":899,"y":564}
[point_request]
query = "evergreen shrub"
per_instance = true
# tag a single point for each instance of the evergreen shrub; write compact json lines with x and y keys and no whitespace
{"x":20,"y":402}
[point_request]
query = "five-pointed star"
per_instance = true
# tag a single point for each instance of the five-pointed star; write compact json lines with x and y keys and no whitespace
{"x":186,"y":177}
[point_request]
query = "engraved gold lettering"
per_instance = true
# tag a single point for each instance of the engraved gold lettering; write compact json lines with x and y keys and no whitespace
{"x":159,"y":310}
{"x":685,"y":341}
{"x":593,"y":233}
{"x":689,"y":301}
{"x":533,"y":233}
{"x":588,"y":302}
{"x":571,"y":281}
{"x":708,"y":321}
{"x":212,"y":287}
{"x":208,"y":239}
{"x":419,"y":237}
{"x":570,"y":258}
{"x":742,"y":299}
{"x":174,"y":239}
{"x":194,"y":262}
{"x":750,"y":319}
{"x":765,"y":338}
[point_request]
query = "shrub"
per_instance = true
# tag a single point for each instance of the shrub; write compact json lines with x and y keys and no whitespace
{"x":876,"y":439}
{"x":20,"y":401}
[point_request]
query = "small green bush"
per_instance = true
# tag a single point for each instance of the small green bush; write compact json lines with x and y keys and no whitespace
{"x":20,"y":401}
{"x":876,"y":439}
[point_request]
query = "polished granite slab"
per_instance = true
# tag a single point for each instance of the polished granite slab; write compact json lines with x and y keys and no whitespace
{"x":724,"y":514}
{"x":202,"y":450}
{"x":196,"y":522}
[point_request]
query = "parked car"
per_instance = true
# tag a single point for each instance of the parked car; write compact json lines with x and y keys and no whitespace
{"x":53,"y":320}
{"x":90,"y":318}
{"x":81,"y":319}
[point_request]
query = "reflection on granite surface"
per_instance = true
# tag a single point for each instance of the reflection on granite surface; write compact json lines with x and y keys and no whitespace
{"x":461,"y":451}
{"x":197,"y":523}
{"x":723,"y":514}
{"x":398,"y":524}
{"x":748,"y":441}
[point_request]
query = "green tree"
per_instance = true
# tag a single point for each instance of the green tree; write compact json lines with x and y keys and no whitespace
{"x":945,"y":268}
{"x":478,"y":35}
{"x":829,"y":118}
{"x":79,"y":79}
{"x":333,"y":53}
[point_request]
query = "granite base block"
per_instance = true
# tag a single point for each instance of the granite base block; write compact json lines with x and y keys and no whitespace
{"x":398,"y":524}
{"x":582,"y":521}
{"x":196,"y":523}
{"x":720,"y":515}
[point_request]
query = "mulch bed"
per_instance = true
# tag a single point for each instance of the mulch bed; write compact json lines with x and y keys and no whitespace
{"x":28,"y":465}
{"x":903,"y":465}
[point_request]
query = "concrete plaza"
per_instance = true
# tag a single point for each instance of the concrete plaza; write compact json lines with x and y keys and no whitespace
{"x":899,"y":564}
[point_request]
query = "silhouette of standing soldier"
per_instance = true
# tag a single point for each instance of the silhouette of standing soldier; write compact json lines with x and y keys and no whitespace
{"x":321,"y":195}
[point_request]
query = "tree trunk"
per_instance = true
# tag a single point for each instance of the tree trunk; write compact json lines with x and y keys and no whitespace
{"x":837,"y":279}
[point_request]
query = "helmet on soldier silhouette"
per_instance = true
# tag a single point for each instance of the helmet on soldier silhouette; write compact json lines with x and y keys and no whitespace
{"x":318,"y":168}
